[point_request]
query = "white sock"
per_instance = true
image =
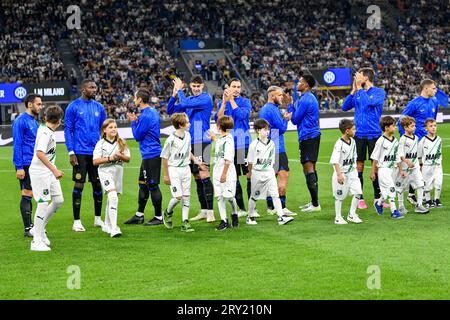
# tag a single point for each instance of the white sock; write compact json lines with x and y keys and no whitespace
{"x":39,"y":220}
{"x":354,"y":206}
{"x":107,"y":222}
{"x":222,"y":208}
{"x":277,"y":205}
{"x":251,"y":207}
{"x":401,"y":201}
{"x":57,"y":202}
{"x":420,"y":196}
{"x":392,"y":204}
{"x":172,"y":204}
{"x":337,"y":208}
{"x":139,"y":214}
{"x":233,"y":204}
{"x":437,"y":193}
{"x":113,"y":202}
{"x":379,"y":201}
{"x":427,"y":195}
{"x":185,"y":209}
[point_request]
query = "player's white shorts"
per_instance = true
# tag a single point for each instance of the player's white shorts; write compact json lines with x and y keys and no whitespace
{"x":180,"y":181}
{"x":264,"y":184}
{"x":386,"y":181}
{"x":414,"y":178}
{"x":433,"y":176}
{"x":111,"y":178}
{"x":227,"y":189}
{"x":351,"y":185}
{"x":45,"y":185}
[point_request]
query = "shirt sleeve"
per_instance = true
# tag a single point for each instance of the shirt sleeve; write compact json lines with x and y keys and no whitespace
{"x":401,"y":149}
{"x":17,"y":141}
{"x":420,"y":149}
{"x":172,"y":107}
{"x":229,"y":149}
{"x":251,"y":154}
{"x":165,"y":153}
{"x":69,"y":127}
{"x":376,"y":151}
{"x":336,"y":155}
{"x":300,"y":111}
{"x":349,"y":103}
{"x":243,"y":112}
{"x":127,"y":152}
{"x":97,"y":150}
{"x":43,"y":141}
{"x":140,"y":127}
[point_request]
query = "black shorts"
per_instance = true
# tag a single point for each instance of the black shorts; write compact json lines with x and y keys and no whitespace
{"x":362,"y":146}
{"x":25,"y":183}
{"x":309,"y":150}
{"x":240,"y":161}
{"x":202,"y":151}
{"x":281,"y":162}
{"x":150,"y":171}
{"x":85,"y":166}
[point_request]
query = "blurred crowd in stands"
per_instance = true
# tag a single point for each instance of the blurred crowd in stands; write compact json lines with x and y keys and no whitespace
{"x":125,"y":44}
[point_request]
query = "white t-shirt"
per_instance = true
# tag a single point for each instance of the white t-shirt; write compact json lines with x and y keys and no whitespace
{"x":46,"y":143}
{"x":177,"y":150}
{"x":224,"y":151}
{"x":104,"y":149}
{"x":386,"y":152}
{"x":430,"y":151}
{"x":344,"y":154}
{"x":407,"y":148}
{"x":261,"y":155}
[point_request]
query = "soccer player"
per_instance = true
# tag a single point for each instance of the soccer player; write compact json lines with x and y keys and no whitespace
{"x":305,"y":115}
{"x":24,"y":129}
{"x":407,"y":152}
{"x":176,"y":157}
{"x":430,"y":153}
{"x":261,"y":160}
{"x":345,"y":177}
{"x":198,"y":107}
{"x":385,"y":160}
{"x":224,"y":173}
{"x":109,"y":155}
{"x":82,"y":123}
{"x":239,"y":109}
{"x":278,"y":125}
{"x":146,"y":131}
{"x":45,"y":177}
{"x":367,"y":100}
{"x":421,"y":108}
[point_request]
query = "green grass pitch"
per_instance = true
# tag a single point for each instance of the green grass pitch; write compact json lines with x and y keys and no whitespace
{"x":311,"y":258}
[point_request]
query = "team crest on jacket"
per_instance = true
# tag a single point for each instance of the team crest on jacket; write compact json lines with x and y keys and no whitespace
{"x":96,"y":113}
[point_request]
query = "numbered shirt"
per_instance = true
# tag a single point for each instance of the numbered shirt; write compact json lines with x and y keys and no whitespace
{"x":46,"y":143}
{"x":177,"y":150}
{"x":407,"y":148}
{"x":386,"y":152}
{"x":262,"y":155}
{"x":105,"y":148}
{"x":344,"y":154}
{"x":430,"y":151}
{"x":224,"y":151}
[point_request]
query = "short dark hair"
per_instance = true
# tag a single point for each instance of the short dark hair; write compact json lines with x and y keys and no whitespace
{"x":425,"y":82}
{"x":30,"y":98}
{"x":386,"y":121}
{"x":179,"y":120}
{"x":261,"y":124}
{"x":197,"y":79}
{"x":405,"y":121}
{"x":345,"y":124}
{"x":86,"y":81}
{"x":368,"y":72}
{"x":233,"y":80}
{"x":309,"y":80}
{"x":225,"y":123}
{"x":144,"y":94}
{"x":53,"y":113}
